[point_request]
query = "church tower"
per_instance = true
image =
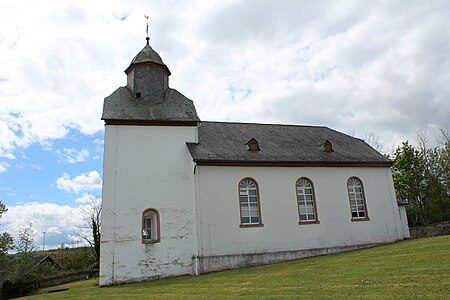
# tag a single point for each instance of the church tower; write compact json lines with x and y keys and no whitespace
{"x":148,"y":188}
{"x":148,"y":76}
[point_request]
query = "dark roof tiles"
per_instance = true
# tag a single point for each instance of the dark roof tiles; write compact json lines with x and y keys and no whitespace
{"x":121,"y":105}
{"x":226,"y":142}
{"x":147,"y":54}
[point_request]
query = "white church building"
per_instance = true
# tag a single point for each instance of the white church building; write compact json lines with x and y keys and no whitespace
{"x":182,"y":196}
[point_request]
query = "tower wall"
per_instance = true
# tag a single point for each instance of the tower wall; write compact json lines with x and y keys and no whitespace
{"x":151,"y":82}
{"x":147,"y":167}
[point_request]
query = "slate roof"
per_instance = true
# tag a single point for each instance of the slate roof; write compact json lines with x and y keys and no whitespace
{"x":122,"y":105}
{"x":221,"y":142}
{"x":147,"y":55}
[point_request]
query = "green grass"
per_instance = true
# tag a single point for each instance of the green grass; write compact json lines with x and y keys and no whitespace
{"x":415,"y":269}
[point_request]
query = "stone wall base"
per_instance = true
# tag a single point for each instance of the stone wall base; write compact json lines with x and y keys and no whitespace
{"x":208,"y":264}
{"x":437,"y":229}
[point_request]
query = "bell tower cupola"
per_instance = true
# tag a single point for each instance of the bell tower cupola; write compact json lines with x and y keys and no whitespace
{"x":148,"y":76}
{"x":147,"y":97}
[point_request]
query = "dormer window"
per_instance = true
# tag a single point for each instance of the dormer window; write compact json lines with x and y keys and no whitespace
{"x":327,"y":146}
{"x":252,"y":145}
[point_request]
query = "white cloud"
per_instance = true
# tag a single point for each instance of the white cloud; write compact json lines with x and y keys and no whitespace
{"x":74,"y":238}
{"x":3,"y":166}
{"x":84,"y":182}
{"x":53,"y":230}
{"x":381,"y":67}
{"x":72,"y":155}
{"x":87,"y":198}
{"x":55,"y":220}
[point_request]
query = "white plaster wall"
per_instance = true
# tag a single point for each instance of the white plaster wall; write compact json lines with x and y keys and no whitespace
{"x":219,"y":219}
{"x":147,"y":167}
{"x":404,"y":221}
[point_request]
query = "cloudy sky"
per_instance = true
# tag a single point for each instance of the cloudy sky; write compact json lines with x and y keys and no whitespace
{"x":380,"y":68}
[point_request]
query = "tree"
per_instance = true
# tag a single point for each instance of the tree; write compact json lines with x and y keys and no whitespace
{"x":422,"y":178}
{"x":74,"y":259}
{"x":91,"y":230}
{"x":22,"y":276}
{"x":6,"y":240}
{"x":409,"y":175}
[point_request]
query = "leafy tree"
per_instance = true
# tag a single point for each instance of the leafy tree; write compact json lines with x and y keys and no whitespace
{"x":23,"y":276}
{"x":422,"y":178}
{"x":6,"y":240}
{"x":75,"y":259}
{"x":409,"y":180}
{"x":25,"y":243}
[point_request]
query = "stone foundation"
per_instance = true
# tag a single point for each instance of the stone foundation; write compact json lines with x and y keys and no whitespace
{"x":442,"y":228}
{"x":224,"y":262}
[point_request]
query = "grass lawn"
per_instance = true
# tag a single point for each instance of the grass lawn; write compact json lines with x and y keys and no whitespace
{"x":415,"y":269}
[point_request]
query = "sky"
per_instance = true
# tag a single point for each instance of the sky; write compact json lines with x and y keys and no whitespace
{"x":378,"y":68}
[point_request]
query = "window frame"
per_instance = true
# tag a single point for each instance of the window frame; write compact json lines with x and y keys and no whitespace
{"x":242,"y":225}
{"x":363,"y":196}
{"x":316,"y":215}
{"x":157,"y":231}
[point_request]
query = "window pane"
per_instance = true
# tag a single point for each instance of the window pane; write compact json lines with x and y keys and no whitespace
{"x":245,"y":220}
{"x":254,"y":212}
{"x":303,"y":217}
{"x":311,"y":217}
{"x":245,"y":212}
{"x":255,"y":220}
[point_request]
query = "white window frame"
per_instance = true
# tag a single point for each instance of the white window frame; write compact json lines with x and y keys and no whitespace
{"x":249,"y":203}
{"x":357,"y":199}
{"x":306,"y":201}
{"x":150,"y":229}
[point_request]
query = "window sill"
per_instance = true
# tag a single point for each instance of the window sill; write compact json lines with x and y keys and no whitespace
{"x":150,"y":241}
{"x":251,"y":225}
{"x":360,"y":219}
{"x":308,"y":222}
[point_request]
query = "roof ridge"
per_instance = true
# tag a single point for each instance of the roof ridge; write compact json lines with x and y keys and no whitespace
{"x":268,"y":124}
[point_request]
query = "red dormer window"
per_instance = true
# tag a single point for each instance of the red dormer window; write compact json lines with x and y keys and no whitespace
{"x":327,"y":146}
{"x":252,"y":145}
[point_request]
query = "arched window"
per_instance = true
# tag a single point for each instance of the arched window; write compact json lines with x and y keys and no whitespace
{"x":306,"y":201}
{"x":150,"y":226}
{"x":249,"y":203}
{"x":357,"y":199}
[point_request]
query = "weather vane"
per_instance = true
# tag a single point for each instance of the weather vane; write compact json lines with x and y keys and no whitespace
{"x":145,"y":16}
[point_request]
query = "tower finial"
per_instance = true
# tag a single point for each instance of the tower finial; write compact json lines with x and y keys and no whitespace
{"x":147,"y":38}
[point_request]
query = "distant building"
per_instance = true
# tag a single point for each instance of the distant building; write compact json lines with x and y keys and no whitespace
{"x":182,"y":196}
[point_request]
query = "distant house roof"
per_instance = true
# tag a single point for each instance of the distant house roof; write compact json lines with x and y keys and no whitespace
{"x":225,"y":144}
{"x":122,"y":105}
{"x":44,"y":259}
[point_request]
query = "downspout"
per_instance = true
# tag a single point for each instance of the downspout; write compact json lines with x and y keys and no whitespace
{"x":197,"y":241}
